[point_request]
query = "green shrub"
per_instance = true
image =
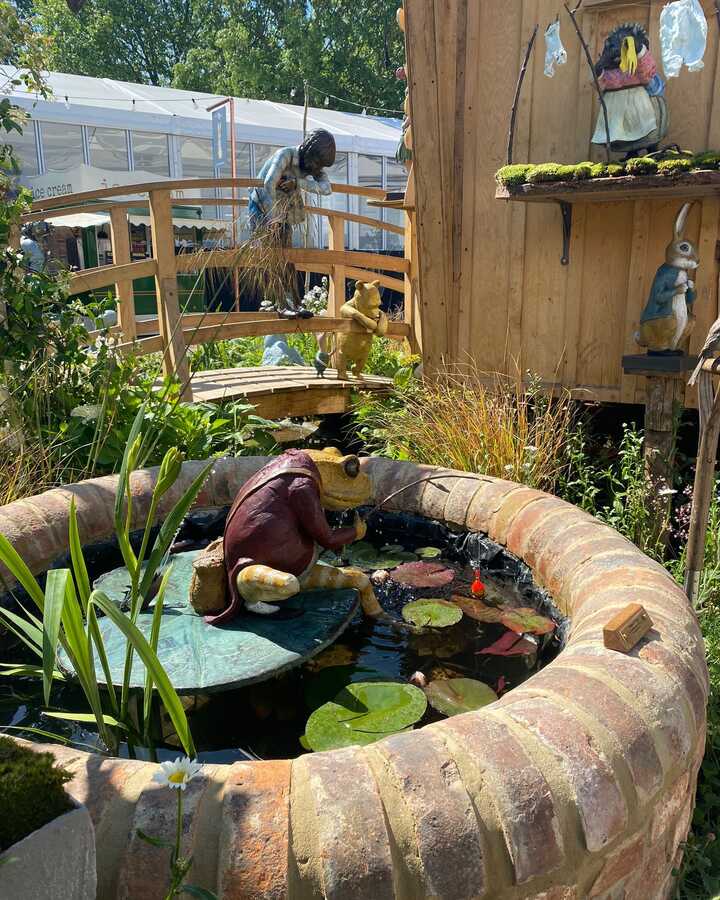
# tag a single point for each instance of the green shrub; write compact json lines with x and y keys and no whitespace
{"x":641,"y":165}
{"x":710,"y":159}
{"x":31,"y":791}
{"x":674,"y":166}
{"x":514,"y":175}
{"x":546,"y":172}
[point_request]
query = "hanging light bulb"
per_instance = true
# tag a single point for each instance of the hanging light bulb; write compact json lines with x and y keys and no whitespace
{"x":133,"y":105}
{"x":67,"y":102}
{"x":364,"y":111}
{"x":292,"y":93}
{"x":194,"y":103}
{"x":327,"y":101}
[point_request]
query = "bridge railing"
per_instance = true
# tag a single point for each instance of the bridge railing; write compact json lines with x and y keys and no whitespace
{"x":172,"y":332}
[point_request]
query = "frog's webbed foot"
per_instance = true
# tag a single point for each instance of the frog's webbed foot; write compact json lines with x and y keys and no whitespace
{"x":261,"y":587}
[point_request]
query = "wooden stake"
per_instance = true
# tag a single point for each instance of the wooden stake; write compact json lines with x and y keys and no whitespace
{"x":518,"y":87}
{"x":571,"y":13}
{"x":702,"y":497}
{"x":124,"y":294}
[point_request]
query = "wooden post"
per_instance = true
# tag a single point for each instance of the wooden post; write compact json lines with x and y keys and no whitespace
{"x":702,"y":493}
{"x":664,"y":392}
{"x":336,"y":241}
{"x":169,"y":318}
{"x":120,"y":237}
{"x":411,"y":311}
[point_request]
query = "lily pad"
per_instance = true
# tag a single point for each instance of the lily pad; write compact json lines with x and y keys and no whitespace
{"x":326,"y":684}
{"x":364,"y":556}
{"x":363,"y":713}
{"x":478,"y":610}
{"x":423,"y":574}
{"x":452,"y":696}
{"x":428,"y":552}
{"x":510,"y":645}
{"x":431,"y":613}
{"x":526,"y":620}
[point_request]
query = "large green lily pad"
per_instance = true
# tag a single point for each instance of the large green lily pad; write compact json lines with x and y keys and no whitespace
{"x":363,"y":713}
{"x":199,"y":657}
{"x":452,"y":696}
{"x":431,"y":613}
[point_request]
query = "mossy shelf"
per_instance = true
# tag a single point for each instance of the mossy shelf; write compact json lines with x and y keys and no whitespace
{"x":695,"y":184}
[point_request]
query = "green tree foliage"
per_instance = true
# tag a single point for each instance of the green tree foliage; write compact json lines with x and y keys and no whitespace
{"x":247,"y":48}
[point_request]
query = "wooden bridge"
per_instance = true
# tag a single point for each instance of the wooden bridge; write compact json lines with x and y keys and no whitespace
{"x":277,"y":391}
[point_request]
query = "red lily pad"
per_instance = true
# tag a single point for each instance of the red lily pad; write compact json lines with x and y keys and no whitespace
{"x":423,"y":574}
{"x":478,"y":610}
{"x":526,"y":620}
{"x":510,"y":645}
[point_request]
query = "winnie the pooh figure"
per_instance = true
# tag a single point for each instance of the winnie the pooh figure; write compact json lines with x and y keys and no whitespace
{"x":353,"y":348}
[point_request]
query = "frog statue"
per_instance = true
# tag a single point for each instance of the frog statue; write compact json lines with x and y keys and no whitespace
{"x":276,"y":530}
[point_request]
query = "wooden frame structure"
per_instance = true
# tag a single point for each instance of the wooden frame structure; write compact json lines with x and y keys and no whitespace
{"x":172,"y":332}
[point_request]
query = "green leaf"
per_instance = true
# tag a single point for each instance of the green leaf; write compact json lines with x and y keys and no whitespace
{"x":363,"y":713}
{"x":326,"y":684}
{"x":121,"y":524}
{"x":82,"y":717}
{"x":452,"y":696}
{"x":431,"y":613}
{"x":27,"y":632}
{"x":428,"y":552}
{"x":95,"y":635}
{"x":25,"y":670}
{"x":154,"y":638}
{"x":154,"y":841}
{"x":10,"y":558}
{"x":364,"y":556}
{"x":527,"y":620}
{"x":169,"y":529}
{"x":55,"y":593}
{"x":168,"y":694}
{"x":82,"y":579}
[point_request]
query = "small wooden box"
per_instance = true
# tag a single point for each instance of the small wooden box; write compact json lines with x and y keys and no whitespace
{"x":626,"y":628}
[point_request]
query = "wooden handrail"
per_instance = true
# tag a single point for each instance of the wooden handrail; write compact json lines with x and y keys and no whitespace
{"x":103,"y":276}
{"x":208,"y":201}
{"x":227,"y":259}
{"x":184,"y":184}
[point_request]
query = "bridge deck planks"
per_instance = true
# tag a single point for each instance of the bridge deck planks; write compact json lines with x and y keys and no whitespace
{"x":281,"y":391}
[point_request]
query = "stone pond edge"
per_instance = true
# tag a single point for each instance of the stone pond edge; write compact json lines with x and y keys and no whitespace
{"x":579,"y":783}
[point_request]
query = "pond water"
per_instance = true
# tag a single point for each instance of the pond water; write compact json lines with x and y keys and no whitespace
{"x":267,"y":720}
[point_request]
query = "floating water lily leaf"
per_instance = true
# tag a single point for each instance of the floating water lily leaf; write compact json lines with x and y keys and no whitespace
{"x":363,"y":555}
{"x":328,"y":682}
{"x":478,"y":610}
{"x":526,"y":620}
{"x":335,"y":655}
{"x":428,"y":552}
{"x":452,"y":696}
{"x":392,"y":548}
{"x":510,"y":645}
{"x":363,"y":713}
{"x":423,"y":574}
{"x":304,"y":742}
{"x":431,"y":613}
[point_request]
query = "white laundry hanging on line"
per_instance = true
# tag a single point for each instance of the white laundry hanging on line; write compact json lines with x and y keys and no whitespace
{"x":683,"y":36}
{"x":555,"y":53}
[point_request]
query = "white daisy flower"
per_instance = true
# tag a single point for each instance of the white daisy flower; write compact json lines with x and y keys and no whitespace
{"x":176,"y":775}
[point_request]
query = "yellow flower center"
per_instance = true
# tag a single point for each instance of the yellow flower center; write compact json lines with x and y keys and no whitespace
{"x":177,"y":777}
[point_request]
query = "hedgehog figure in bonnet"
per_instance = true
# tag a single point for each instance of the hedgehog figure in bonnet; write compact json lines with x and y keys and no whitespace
{"x":633,"y":91}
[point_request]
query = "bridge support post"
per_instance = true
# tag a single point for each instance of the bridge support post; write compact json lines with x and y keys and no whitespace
{"x":175,"y":362}
{"x":120,"y":237}
{"x":336,"y":241}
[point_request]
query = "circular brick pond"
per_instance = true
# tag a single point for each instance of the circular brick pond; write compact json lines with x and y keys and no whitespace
{"x":578,"y":783}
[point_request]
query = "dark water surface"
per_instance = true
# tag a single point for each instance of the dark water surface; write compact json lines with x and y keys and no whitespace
{"x":267,"y":720}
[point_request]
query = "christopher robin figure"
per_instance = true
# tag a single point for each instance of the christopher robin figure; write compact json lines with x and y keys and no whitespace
{"x":278,"y":205}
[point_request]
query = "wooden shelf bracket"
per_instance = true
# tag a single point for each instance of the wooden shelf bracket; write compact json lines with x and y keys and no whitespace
{"x":566,"y":211}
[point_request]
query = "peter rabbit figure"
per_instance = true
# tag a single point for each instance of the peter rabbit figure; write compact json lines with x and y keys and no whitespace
{"x":667,"y":319}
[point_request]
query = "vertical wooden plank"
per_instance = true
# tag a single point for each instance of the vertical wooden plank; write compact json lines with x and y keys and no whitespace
{"x":411,"y":313}
{"x":427,"y":166}
{"x":706,"y":307}
{"x":573,"y":295}
{"x":336,"y":241}
{"x":637,"y":291}
{"x":169,"y":319}
{"x":120,"y":238}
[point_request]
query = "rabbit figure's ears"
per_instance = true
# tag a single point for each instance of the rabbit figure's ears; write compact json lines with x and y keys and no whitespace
{"x":681,"y":220}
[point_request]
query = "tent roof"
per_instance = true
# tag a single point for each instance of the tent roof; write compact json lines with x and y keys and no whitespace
{"x":104,"y":101}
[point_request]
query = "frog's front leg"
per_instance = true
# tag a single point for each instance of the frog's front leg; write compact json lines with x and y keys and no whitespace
{"x":330,"y":577}
{"x":260,"y":586}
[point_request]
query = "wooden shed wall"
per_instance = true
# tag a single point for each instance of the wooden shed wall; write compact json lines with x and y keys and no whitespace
{"x":492,"y":287}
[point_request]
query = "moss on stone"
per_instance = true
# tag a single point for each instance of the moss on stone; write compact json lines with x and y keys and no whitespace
{"x":674,"y":166}
{"x":514,"y":175}
{"x":31,"y":791}
{"x":641,"y":165}
{"x":708,"y":160}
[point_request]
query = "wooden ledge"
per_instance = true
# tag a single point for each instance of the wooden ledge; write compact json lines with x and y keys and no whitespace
{"x":703,"y":183}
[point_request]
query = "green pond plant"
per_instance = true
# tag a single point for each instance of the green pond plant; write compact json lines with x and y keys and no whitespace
{"x":68,"y":610}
